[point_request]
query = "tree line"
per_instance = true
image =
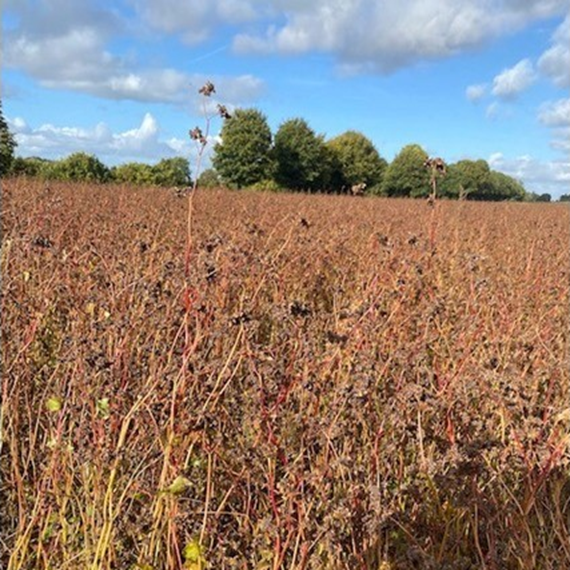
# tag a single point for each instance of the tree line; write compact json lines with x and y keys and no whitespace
{"x":83,"y":167}
{"x":295,"y":158}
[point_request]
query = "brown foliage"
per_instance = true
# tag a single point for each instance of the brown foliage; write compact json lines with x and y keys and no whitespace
{"x":336,"y":383}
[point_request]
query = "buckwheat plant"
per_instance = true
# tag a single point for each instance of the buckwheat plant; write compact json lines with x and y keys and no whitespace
{"x":200,"y":137}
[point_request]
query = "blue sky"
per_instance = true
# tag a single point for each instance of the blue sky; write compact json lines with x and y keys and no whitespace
{"x":463,"y":78}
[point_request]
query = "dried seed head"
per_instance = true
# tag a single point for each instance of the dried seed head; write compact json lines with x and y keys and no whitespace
{"x":207,"y":89}
{"x":197,"y":135}
{"x":223,"y":112}
{"x":436,"y":164}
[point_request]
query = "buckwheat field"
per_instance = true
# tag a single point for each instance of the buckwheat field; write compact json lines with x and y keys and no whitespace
{"x":312,"y":382}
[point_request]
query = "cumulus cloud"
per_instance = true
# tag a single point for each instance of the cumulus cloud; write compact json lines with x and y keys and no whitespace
{"x":552,"y":176}
{"x":109,"y":78}
{"x":67,"y":44}
{"x":362,"y":35}
{"x":476,"y":92}
{"x":555,"y":62}
{"x":513,"y":81}
{"x":143,"y":142}
{"x":64,"y":45}
{"x":381,"y":36}
{"x":61,"y":39}
{"x":538,"y":176}
{"x":194,"y":20}
{"x":555,"y":113}
{"x":556,"y":116}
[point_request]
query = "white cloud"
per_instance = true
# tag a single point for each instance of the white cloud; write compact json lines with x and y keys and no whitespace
{"x":476,"y":92}
{"x":555,"y":62}
{"x":538,"y":176}
{"x":556,"y":116}
{"x":513,"y":81}
{"x":109,"y":78}
{"x":381,"y":35}
{"x":61,"y":40}
{"x":64,"y":45}
{"x":492,"y":111}
{"x":555,"y":113}
{"x":195,"y":20}
{"x":140,"y":143}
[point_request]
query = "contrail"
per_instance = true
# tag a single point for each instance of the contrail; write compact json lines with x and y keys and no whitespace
{"x":210,"y":54}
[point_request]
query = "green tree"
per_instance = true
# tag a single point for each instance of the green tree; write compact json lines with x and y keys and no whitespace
{"x":32,"y":166}
{"x":505,"y":187}
{"x":209,"y":179}
{"x":474,"y":180}
{"x":407,"y":175}
{"x":172,"y":172}
{"x":564,"y":198}
{"x":356,"y":160}
{"x":7,"y":145}
{"x":244,"y":155}
{"x":137,"y":173}
{"x":79,"y":167}
{"x":300,"y":157}
{"x":469,"y":179}
{"x":546,"y":197}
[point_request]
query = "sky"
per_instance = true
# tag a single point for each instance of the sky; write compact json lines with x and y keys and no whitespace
{"x":465,"y":79}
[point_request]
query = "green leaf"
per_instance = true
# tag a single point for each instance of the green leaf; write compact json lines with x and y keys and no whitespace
{"x":103,"y":407}
{"x":54,"y":404}
{"x":178,"y":486}
{"x":194,"y":556}
{"x":192,"y":551}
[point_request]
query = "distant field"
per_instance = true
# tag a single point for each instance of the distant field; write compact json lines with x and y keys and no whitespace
{"x":338,"y":382}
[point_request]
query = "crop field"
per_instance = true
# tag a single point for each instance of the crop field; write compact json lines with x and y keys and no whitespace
{"x":317,"y":382}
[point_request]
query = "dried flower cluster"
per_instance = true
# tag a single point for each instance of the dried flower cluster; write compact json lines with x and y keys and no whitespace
{"x":331,"y":386}
{"x":207,"y":89}
{"x":223,"y":112}
{"x":436,"y":165}
{"x":196,"y":134}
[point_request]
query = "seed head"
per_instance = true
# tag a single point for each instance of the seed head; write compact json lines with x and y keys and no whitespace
{"x":197,"y":135}
{"x":436,"y":165}
{"x":207,"y":89}
{"x":223,"y":112}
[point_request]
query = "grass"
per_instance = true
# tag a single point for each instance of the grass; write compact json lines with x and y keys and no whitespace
{"x":336,"y":383}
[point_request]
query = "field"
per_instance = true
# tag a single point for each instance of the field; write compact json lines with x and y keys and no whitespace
{"x":331,"y":382}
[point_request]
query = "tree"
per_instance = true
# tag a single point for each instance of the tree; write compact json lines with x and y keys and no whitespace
{"x":172,"y":172}
{"x":356,"y":161}
{"x":407,"y":175}
{"x":474,"y":180}
{"x":505,"y":187}
{"x":244,"y":155}
{"x":7,"y":145}
{"x":79,"y":167}
{"x":467,"y":179}
{"x":564,"y":198}
{"x":209,"y":179}
{"x":300,"y":157}
{"x":32,"y":166}
{"x":137,"y":173}
{"x":167,"y":172}
{"x":546,"y":197}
